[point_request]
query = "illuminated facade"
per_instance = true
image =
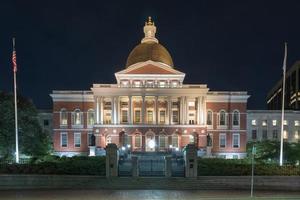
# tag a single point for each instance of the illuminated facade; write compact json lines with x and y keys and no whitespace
{"x":150,"y":109}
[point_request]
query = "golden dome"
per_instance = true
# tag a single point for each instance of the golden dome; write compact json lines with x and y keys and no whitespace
{"x":149,"y":51}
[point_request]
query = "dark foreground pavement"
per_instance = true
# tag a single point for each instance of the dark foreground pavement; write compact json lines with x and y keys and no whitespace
{"x":141,"y":194}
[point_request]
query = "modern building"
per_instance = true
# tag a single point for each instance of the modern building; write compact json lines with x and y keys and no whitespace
{"x":150,"y":109}
{"x":292,"y":91}
{"x":266,"y":125}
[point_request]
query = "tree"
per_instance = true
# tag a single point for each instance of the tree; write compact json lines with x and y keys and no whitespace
{"x":268,"y":150}
{"x":33,"y":141}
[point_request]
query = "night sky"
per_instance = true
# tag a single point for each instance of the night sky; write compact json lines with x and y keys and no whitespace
{"x":69,"y":45}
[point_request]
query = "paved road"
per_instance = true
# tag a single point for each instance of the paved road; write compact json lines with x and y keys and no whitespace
{"x":140,"y":195}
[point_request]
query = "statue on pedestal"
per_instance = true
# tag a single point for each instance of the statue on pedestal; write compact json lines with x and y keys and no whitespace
{"x":208,"y":140}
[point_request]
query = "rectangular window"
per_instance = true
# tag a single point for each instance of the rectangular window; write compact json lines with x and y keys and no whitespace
{"x":236,"y":141}
{"x":162,"y":141}
{"x":162,"y":116}
{"x":64,"y":139}
{"x":265,"y":134}
{"x":149,"y":116}
{"x":253,"y":122}
{"x":297,"y":123}
{"x":222,"y":140}
{"x":209,"y":118}
{"x":89,"y":141}
{"x":285,"y":122}
{"x":274,"y":122}
{"x":174,"y":141}
{"x":77,"y":139}
{"x":275,"y":134}
{"x":63,"y":118}
{"x":124,"y":117}
{"x":254,"y":134}
{"x":137,"y":116}
{"x":264,"y":123}
{"x":175,"y":116}
{"x":285,"y":135}
{"x":137,"y":142}
{"x":46,"y":122}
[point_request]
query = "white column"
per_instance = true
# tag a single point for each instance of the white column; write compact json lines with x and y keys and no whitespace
{"x":129,"y":109}
{"x":181,"y":110}
{"x":97,"y":111}
{"x":101,"y":110}
{"x":203,"y":111}
{"x":113,"y":114}
{"x":198,"y":110}
{"x":143,"y":109}
{"x":170,"y":110}
{"x":117,"y":110}
{"x":156,"y":109}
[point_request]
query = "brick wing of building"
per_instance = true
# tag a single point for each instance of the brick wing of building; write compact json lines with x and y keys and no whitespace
{"x":150,"y":109}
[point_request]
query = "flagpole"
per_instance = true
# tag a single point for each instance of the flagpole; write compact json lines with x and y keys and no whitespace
{"x":16,"y":106}
{"x":282,"y":106}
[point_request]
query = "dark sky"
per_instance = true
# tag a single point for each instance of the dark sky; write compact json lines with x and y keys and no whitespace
{"x":69,"y":45}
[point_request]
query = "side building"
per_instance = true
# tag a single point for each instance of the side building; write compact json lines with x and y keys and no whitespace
{"x":150,"y":109}
{"x":266,"y":125}
{"x":292,"y":91}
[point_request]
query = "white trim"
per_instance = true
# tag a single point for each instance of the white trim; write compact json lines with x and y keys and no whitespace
{"x":239,"y":119}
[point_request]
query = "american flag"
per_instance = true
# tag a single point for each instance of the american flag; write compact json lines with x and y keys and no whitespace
{"x":14,"y":57}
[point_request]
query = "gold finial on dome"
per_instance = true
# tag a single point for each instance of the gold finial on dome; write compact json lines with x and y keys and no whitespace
{"x":149,"y":30}
{"x":149,"y":22}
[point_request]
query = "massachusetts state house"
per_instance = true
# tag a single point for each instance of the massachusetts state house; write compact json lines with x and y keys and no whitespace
{"x":150,"y":108}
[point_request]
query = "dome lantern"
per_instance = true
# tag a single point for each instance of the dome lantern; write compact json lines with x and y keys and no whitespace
{"x":149,"y":30}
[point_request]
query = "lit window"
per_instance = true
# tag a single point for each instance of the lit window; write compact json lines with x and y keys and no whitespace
{"x":296,"y":135}
{"x":137,"y":83}
{"x":264,"y":123}
{"x":174,"y":83}
{"x":222,"y":117}
{"x":297,"y":123}
{"x":175,"y":116}
{"x":192,"y":139}
{"x":63,"y":117}
{"x":137,"y":116}
{"x":77,"y":139}
{"x":222,"y":140}
{"x":64,"y":139}
{"x":285,"y":134}
{"x":137,"y":141}
{"x":274,"y":122}
{"x":149,"y":116}
{"x":125,"y":83}
{"x":162,"y":141}
{"x":90,"y":117}
{"x":236,"y":118}
{"x":150,"y":84}
{"x":124,"y":116}
{"x":77,"y":117}
{"x":162,"y":116}
{"x":108,"y":140}
{"x":209,"y":118}
{"x":175,"y":140}
{"x":162,"y":84}
{"x":191,"y":103}
{"x":253,"y":122}
{"x":285,"y":122}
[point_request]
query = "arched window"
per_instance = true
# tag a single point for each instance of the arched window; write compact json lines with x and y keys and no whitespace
{"x":90,"y":117}
{"x":222,"y":118}
{"x":209,"y":117}
{"x":236,"y":118}
{"x":138,"y":141}
{"x":108,"y":139}
{"x":162,"y":141}
{"x":175,"y":140}
{"x":77,"y":117}
{"x":63,"y":117}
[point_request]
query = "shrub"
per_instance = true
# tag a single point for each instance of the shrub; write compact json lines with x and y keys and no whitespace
{"x":223,"y":167}
{"x":54,"y":165}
